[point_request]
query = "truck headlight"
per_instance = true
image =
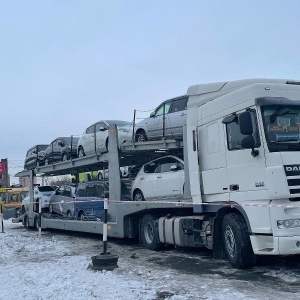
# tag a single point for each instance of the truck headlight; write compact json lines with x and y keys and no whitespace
{"x":291,"y":223}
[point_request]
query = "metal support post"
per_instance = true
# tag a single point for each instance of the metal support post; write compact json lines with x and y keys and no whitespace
{"x":1,"y":217}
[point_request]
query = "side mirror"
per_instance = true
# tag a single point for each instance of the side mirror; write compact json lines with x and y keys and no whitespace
{"x":152,"y":114}
{"x":245,"y":123}
{"x":249,"y":143}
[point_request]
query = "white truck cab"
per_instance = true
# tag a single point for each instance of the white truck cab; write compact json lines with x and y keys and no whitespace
{"x":244,"y":156}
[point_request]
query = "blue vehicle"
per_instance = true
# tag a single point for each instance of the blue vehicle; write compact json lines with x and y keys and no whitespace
{"x":89,"y":199}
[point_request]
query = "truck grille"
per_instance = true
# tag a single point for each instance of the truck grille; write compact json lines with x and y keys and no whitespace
{"x":292,"y":173}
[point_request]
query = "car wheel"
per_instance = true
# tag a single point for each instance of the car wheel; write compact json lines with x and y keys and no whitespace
{"x":106,"y":144}
{"x":138,"y":196}
{"x":69,"y":214}
{"x":149,"y":233}
{"x":100,"y":176}
{"x":64,"y":157}
{"x":236,"y":241}
{"x":36,"y":223}
{"x":23,"y":210}
{"x":81,"y":152}
{"x":141,"y":136}
{"x":81,"y":216}
{"x":46,"y":162}
{"x":26,"y":222}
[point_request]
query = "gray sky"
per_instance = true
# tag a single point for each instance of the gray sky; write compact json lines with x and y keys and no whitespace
{"x":66,"y":64}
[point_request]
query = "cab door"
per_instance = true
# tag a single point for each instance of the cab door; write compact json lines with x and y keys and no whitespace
{"x":245,"y":167}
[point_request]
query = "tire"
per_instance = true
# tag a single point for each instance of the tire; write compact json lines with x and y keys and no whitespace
{"x":46,"y":162}
{"x":138,"y":196}
{"x":149,"y":233}
{"x":81,"y":152}
{"x":36,"y":223}
{"x":100,"y":176}
{"x":81,"y":216}
{"x":236,"y":241}
{"x":69,"y":214}
{"x":64,"y":157}
{"x":141,"y":136}
{"x":23,"y":211}
{"x":106,"y":144}
{"x":26,"y":222}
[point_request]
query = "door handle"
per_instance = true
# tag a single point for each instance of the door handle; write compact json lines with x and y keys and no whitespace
{"x":159,"y":176}
{"x":142,"y":178}
{"x":234,"y":187}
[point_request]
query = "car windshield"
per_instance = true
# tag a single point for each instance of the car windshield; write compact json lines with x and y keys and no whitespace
{"x":282,"y":126}
{"x":68,"y":140}
{"x":46,"y":188}
{"x":41,"y":147}
{"x":119,"y":123}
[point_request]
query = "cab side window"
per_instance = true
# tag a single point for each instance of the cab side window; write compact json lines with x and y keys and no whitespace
{"x":234,"y":136}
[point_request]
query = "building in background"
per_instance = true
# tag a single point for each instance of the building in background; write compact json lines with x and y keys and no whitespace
{"x":24,"y":181}
{"x":4,"y":176}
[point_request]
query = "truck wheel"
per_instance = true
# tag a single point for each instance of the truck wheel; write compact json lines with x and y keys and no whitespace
{"x":36,"y":223}
{"x":236,"y":241}
{"x":149,"y":233}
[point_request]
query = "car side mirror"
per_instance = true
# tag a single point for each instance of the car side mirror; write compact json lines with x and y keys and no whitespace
{"x":245,"y":123}
{"x":152,"y":114}
{"x":248,"y":142}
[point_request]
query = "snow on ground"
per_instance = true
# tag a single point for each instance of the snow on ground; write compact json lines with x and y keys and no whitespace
{"x":56,"y":266}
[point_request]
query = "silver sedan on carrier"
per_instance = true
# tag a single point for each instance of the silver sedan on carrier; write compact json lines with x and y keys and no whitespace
{"x":166,"y":121}
{"x":95,"y":138}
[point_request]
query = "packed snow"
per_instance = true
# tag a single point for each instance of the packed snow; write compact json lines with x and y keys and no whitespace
{"x":57,"y":266}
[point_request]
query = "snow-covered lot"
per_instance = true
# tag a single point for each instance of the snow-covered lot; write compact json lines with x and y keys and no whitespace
{"x":56,"y":266}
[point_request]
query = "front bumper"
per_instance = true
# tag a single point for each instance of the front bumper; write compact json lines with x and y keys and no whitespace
{"x":272,"y":245}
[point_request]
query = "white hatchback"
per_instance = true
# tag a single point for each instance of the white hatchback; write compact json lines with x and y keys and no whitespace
{"x":95,"y":138}
{"x":162,"y":178}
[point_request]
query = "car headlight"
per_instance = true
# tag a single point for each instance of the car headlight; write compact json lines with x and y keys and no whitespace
{"x":291,"y":223}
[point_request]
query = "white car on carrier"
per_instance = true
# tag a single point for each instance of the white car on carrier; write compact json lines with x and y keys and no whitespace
{"x":41,"y":194}
{"x":159,"y":179}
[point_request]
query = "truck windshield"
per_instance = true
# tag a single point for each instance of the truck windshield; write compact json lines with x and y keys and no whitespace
{"x":282,"y":127}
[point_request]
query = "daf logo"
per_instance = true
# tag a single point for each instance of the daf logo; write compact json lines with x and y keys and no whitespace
{"x":292,"y":169}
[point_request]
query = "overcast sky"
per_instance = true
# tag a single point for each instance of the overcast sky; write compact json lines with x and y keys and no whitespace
{"x":66,"y":64}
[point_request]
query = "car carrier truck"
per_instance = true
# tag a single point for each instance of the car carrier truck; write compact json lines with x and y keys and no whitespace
{"x":242,"y":176}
